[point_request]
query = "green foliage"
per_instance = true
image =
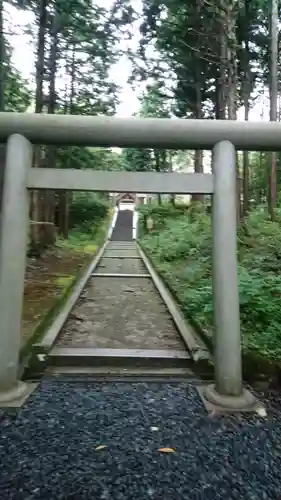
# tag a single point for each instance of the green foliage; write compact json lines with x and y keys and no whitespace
{"x":88,"y":235}
{"x":161,"y":214}
{"x":81,"y":240}
{"x":87,"y":49}
{"x":190,"y":40}
{"x":152,"y":104}
{"x":81,"y":46}
{"x":138,"y":160}
{"x":17,"y":95}
{"x":92,"y":158}
{"x":65,"y":281}
{"x":15,"y":91}
{"x":181,"y":251}
{"x":87,"y":211}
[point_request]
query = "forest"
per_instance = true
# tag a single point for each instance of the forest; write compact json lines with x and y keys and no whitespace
{"x":212,"y":59}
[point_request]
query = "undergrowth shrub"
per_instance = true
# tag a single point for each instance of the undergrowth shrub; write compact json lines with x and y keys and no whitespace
{"x":87,"y":211}
{"x":182,"y":251}
{"x":160,"y":214}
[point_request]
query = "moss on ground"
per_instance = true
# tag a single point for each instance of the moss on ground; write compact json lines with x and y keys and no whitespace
{"x":50,"y":278}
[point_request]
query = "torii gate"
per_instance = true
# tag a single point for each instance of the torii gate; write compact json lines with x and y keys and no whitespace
{"x":222,"y":137}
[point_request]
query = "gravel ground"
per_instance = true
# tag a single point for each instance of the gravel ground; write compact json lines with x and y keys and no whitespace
{"x":120,"y":313}
{"x":49,"y":450}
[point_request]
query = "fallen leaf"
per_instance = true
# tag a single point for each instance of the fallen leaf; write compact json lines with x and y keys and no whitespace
{"x":166,"y":450}
{"x":261,"y":412}
{"x":100,"y":447}
{"x":41,"y":357}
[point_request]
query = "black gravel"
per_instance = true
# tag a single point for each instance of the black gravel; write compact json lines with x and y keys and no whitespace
{"x":123,"y":229}
{"x":48,"y":450}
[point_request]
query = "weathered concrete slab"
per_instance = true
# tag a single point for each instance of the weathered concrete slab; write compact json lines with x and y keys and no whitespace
{"x":120,"y":313}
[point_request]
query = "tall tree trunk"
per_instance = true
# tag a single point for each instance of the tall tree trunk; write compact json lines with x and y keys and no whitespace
{"x":35,"y":205}
{"x":221,"y":83}
{"x":63,"y":214}
{"x":246,"y":204}
{"x":230,"y":11}
{"x":246,"y":93}
{"x":49,"y":205}
{"x":157,"y":169}
{"x":40,"y":62}
{"x":2,"y":59}
{"x":170,"y":163}
{"x":220,"y":102}
{"x":72,"y":79}
{"x":273,"y":88}
{"x":198,"y":157}
{"x":260,"y":191}
{"x":65,"y":196}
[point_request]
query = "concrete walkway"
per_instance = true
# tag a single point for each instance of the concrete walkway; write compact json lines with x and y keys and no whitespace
{"x":123,"y":230}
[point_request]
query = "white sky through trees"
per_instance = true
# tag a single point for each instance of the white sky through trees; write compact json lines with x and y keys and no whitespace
{"x":24,"y":60}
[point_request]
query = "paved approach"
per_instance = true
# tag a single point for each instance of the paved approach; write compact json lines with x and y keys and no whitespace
{"x":120,"y":319}
{"x":120,"y":312}
{"x":123,"y":230}
{"x":86,"y":440}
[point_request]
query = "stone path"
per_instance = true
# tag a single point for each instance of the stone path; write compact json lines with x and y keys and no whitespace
{"x":123,"y":230}
{"x":120,"y":313}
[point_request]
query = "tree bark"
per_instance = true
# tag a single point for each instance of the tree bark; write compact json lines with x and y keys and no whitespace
{"x":246,"y":204}
{"x":65,"y":196}
{"x":230,"y":10}
{"x":40,"y":62}
{"x":63,"y":214}
{"x":221,"y":83}
{"x":50,"y":199}
{"x":2,"y":59}
{"x":158,"y":169}
{"x":170,"y":162}
{"x":198,"y":157}
{"x":35,"y":198}
{"x":246,"y":93}
{"x":273,"y":88}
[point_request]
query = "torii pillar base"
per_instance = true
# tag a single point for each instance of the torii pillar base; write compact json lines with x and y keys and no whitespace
{"x":218,"y":403}
{"x":15,"y":397}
